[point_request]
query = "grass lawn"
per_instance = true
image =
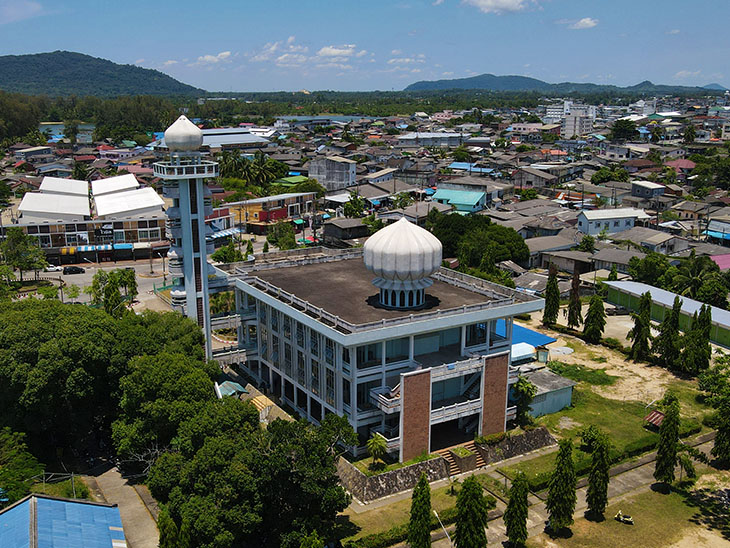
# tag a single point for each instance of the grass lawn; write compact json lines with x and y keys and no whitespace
{"x":364,"y":465}
{"x":63,"y":489}
{"x":381,"y":519}
{"x":581,"y":373}
{"x":660,"y":521}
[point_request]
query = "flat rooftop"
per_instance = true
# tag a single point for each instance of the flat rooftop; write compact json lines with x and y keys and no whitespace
{"x":344,"y":289}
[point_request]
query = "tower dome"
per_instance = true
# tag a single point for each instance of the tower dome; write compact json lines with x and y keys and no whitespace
{"x":402,"y":256}
{"x":183,"y":136}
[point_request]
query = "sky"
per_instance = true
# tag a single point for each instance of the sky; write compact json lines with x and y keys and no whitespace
{"x":349,"y":45}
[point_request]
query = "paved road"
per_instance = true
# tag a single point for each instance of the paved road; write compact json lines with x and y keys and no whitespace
{"x":140,"y":528}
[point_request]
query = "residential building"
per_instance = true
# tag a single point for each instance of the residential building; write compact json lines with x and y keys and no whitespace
{"x":417,"y":347}
{"x":28,"y":153}
{"x":258,"y":214}
{"x":333,"y":172}
{"x":593,"y":222}
{"x":431,"y":139}
{"x":609,"y":258}
{"x":528,"y":177}
{"x":646,"y":189}
{"x":575,"y":125}
{"x":543,"y":244}
{"x":380,"y":176}
{"x":461,"y":200}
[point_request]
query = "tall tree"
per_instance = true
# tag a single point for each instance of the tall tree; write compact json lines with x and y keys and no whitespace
{"x":575,"y":317}
{"x":471,"y":516}
{"x":721,"y":447}
{"x":613,"y":275}
{"x":640,"y":334}
{"x":419,"y":525}
{"x":595,"y":320}
{"x":515,"y":516}
{"x":561,"y":498}
{"x":666,"y":457}
{"x":552,"y":298}
{"x":377,"y":447}
{"x":168,"y":529}
{"x":597,"y":495}
{"x":523,"y":391}
{"x":697,"y":352}
{"x":113,"y":302}
{"x":22,"y":251}
{"x":667,"y":345}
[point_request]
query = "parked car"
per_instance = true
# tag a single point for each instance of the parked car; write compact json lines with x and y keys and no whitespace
{"x":73,"y":270}
{"x":53,"y":268}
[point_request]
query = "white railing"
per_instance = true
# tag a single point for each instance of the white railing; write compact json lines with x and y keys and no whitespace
{"x":225,"y":322}
{"x":457,"y":369}
{"x":185,"y":170}
{"x":455,"y":411}
{"x":511,"y":413}
{"x":391,"y":444}
{"x":386,"y":399}
{"x":229,"y":355}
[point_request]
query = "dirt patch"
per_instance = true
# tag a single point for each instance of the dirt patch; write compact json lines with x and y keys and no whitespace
{"x":566,"y":423}
{"x":701,"y":538}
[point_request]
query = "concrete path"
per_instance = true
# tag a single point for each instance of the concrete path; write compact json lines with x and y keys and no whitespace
{"x":140,"y":528}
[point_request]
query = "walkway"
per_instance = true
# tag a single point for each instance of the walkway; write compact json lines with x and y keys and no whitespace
{"x":140,"y":528}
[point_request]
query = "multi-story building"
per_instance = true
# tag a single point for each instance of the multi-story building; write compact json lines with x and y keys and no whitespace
{"x":333,"y":172}
{"x":184,"y":176}
{"x":258,"y":214}
{"x":420,"y":352}
{"x":593,"y":222}
{"x":576,"y":125}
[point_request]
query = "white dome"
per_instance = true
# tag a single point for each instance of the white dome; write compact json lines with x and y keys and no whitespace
{"x":403,"y":251}
{"x":183,"y":136}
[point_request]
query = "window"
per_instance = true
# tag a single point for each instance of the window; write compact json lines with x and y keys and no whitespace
{"x":476,"y":334}
{"x":70,"y":239}
{"x":369,"y":355}
{"x":143,"y":235}
{"x":264,"y":343}
{"x":287,"y":327}
{"x":287,"y":359}
{"x":301,"y":369}
{"x":329,"y":351}
{"x":118,"y":236}
{"x":262,"y":314}
{"x":627,"y":222}
{"x":397,"y":350}
{"x":314,"y":377}
{"x":300,"y":335}
{"x":345,"y":391}
{"x":45,"y":240}
{"x":275,"y":351}
{"x":616,"y":223}
{"x":330,"y":386}
{"x":314,"y":342}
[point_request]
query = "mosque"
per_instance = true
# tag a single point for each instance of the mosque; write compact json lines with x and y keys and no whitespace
{"x":383,"y":335}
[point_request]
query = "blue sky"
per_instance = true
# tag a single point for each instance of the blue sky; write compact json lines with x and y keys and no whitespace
{"x":247,"y":45}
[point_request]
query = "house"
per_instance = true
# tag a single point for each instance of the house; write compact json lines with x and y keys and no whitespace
{"x":260,"y":213}
{"x":380,"y":176}
{"x":554,"y":392}
{"x":496,"y":191}
{"x":430,"y":139}
{"x":653,"y":240}
{"x":540,"y":245}
{"x":646,"y":189}
{"x":568,"y":261}
{"x":534,"y":283}
{"x":36,"y":207}
{"x":333,"y":172}
{"x":416,"y":213}
{"x":609,"y":257}
{"x":342,"y":229}
{"x":44,"y":521}
{"x":527,"y":177}
{"x":29,"y":152}
{"x":693,"y":210}
{"x":593,"y":222}
{"x":463,"y":201}
{"x":140,"y":202}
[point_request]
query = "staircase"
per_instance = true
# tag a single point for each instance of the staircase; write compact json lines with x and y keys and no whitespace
{"x":451,"y":463}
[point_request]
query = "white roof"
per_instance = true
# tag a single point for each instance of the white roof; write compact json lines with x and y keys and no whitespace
{"x":600,"y":214}
{"x":55,"y":204}
{"x":58,"y":185}
{"x":119,"y":203}
{"x":521,"y":351}
{"x":114,"y":184}
{"x":429,"y":135}
{"x":647,"y":184}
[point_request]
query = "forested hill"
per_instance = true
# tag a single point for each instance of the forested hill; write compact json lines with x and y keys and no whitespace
{"x":524,"y":83}
{"x":63,"y":73}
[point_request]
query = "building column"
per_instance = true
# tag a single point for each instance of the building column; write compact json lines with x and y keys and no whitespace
{"x":415,"y":414}
{"x":494,"y":394}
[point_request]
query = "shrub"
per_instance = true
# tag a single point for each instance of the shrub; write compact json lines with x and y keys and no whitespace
{"x":524,"y":317}
{"x":491,"y":439}
{"x":461,"y":452}
{"x":614,"y":344}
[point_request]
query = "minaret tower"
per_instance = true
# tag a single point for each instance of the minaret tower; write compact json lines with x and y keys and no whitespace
{"x":184,"y":175}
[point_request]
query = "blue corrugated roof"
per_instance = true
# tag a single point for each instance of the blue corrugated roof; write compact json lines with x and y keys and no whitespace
{"x":523,"y":335}
{"x":463,"y":197}
{"x":60,"y":524}
{"x":466,"y":166}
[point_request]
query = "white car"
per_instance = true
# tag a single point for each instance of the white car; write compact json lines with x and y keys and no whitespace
{"x":53,"y":268}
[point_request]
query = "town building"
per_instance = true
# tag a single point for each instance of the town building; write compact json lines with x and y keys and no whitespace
{"x":258,"y":214}
{"x":184,"y":175}
{"x":333,"y":172}
{"x":431,"y":139}
{"x":593,"y":222}
{"x":575,"y":125}
{"x":418,"y":346}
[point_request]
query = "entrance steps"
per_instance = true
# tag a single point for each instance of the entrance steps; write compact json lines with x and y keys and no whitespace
{"x":451,"y":462}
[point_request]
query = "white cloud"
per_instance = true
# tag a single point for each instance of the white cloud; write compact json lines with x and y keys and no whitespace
{"x":585,"y":23}
{"x":341,"y":66}
{"x":170,"y":62}
{"x":448,"y":73}
{"x":291,"y":60}
{"x":497,"y":6}
{"x":687,"y":73}
{"x":405,"y":61}
{"x":213,"y":59}
{"x":345,"y":50}
{"x":395,"y":52}
{"x":673,"y":31}
{"x":361,"y":53}
{"x":18,"y":10}
{"x":139,"y":61}
{"x":437,"y":2}
{"x":266,"y":53}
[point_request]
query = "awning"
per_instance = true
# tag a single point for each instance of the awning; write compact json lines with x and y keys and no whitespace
{"x":122,"y":246}
{"x":85,"y":248}
{"x":68,"y":250}
{"x":656,"y":418}
{"x":375,"y":202}
{"x":141,"y":245}
{"x":105,"y":247}
{"x":225,"y":233}
{"x":325,"y":215}
{"x":298,"y":221}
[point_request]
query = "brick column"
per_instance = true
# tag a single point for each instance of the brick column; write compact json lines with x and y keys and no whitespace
{"x":494,"y":394}
{"x":415,"y":414}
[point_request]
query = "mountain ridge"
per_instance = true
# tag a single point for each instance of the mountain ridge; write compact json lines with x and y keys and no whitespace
{"x":65,"y":73}
{"x":514,"y":82}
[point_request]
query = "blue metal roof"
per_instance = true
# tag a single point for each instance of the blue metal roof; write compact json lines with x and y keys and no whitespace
{"x":523,"y":335}
{"x":463,"y":197}
{"x":61,"y":523}
{"x":466,"y":166}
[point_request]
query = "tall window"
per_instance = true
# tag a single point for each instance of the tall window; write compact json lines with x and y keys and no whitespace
{"x":476,"y":334}
{"x":330,"y":386}
{"x":314,"y":342}
{"x":397,"y":350}
{"x":300,"y":335}
{"x":287,"y":358}
{"x":314,"y":377}
{"x":329,"y":351}
{"x":287,"y":326}
{"x":369,"y":355}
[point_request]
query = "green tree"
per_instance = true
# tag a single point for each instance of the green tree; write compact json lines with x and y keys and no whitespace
{"x":419,"y":525}
{"x":588,"y":244}
{"x":310,"y":185}
{"x":355,"y":206}
{"x":312,"y":540}
{"x":666,"y":457}
{"x":401,"y":200}
{"x":72,"y":292}
{"x":667,"y":346}
{"x":471,"y":516}
{"x":523,"y":392}
{"x":721,"y":447}
{"x":96,"y":289}
{"x":461,"y":154}
{"x":22,"y":251}
{"x":613,"y":275}
{"x":113,"y":301}
{"x":552,"y":298}
{"x":640,"y":334}
{"x":373,"y":223}
{"x":377,"y":447}
{"x":689,"y":133}
{"x":598,"y":478}
{"x":624,"y":130}
{"x":693,"y":273}
{"x":528,"y":194}
{"x":168,"y":529}
{"x":80,"y":171}
{"x":282,"y":236}
{"x":561,"y":497}
{"x":515,"y":516}
{"x":249,"y":249}
{"x":266,"y":247}
{"x":649,"y":269}
{"x":227,"y":254}
{"x":127,"y":278}
{"x":17,"y":465}
{"x":697,"y":352}
{"x":575,"y":316}
{"x":48,"y":291}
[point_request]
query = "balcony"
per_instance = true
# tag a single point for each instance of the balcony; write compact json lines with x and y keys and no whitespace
{"x":457,"y":369}
{"x":386,"y":399}
{"x":225,"y":322}
{"x":170,"y":170}
{"x":229,"y":355}
{"x":178,"y":295}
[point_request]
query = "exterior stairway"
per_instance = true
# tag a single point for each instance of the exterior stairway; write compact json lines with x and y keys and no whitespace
{"x":453,"y":466}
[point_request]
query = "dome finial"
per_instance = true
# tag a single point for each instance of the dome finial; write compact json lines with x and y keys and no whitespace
{"x":402,"y":256}
{"x":183,"y":136}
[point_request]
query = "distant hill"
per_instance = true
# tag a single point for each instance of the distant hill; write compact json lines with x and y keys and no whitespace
{"x":63,"y":73}
{"x":525,"y":83}
{"x":717,"y":87}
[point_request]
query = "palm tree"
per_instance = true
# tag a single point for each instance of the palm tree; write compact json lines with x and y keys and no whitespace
{"x":377,"y":447}
{"x":693,"y":273}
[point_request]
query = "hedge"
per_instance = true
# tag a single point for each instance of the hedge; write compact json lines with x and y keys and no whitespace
{"x":399,"y":533}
